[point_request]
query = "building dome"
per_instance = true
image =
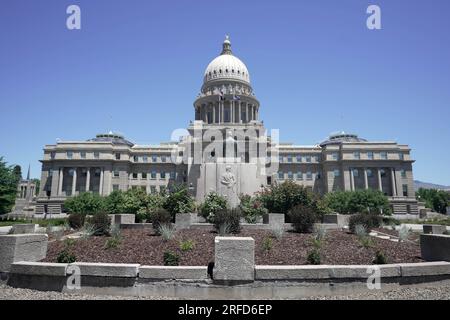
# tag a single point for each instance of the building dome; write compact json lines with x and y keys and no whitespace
{"x":339,"y":137}
{"x":226,"y":66}
{"x":114,"y":138}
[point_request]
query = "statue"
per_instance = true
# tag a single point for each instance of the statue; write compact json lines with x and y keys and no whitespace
{"x":228,"y":180}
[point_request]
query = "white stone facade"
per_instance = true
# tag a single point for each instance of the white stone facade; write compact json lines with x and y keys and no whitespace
{"x":227,"y":151}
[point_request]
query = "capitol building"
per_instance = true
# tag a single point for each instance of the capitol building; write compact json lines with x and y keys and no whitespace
{"x":225,"y":149}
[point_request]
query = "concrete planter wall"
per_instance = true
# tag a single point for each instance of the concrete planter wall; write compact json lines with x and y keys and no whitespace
{"x":21,"y":247}
{"x":435,"y":247}
{"x":434,"y":229}
{"x":341,"y":220}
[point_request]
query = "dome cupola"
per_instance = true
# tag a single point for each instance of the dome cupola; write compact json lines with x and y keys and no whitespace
{"x":226,"y":66}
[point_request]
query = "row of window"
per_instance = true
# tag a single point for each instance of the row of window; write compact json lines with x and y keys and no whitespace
{"x":299,"y":158}
{"x":118,"y":156}
{"x":153,"y":175}
{"x":153,"y":189}
{"x":370,"y":173}
{"x":298,"y":176}
{"x":70,"y":154}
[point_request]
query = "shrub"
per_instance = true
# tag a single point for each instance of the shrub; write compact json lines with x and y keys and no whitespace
{"x":350,"y":202}
{"x":187,"y":245}
{"x":302,"y":218}
{"x":114,"y":202}
{"x":171,"y":258}
{"x":112,"y":243}
{"x":102,"y":224}
{"x":167,"y":231}
{"x":368,"y":220}
{"x":66,"y":257}
{"x":281,"y":198}
{"x":229,"y":217}
{"x":251,"y":208}
{"x":380,"y":258}
{"x":213,"y":203}
{"x":267,"y":244}
{"x":403,"y":233}
{"x":159,"y":217}
{"x":85,"y":203}
{"x":88,"y":230}
{"x":179,"y":201}
{"x":320,"y":232}
{"x":313,"y":256}
{"x":76,"y":220}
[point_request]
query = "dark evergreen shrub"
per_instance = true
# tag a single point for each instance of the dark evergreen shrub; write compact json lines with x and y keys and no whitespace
{"x":302,"y":218}
{"x":229,"y":219}
{"x":368,"y":220}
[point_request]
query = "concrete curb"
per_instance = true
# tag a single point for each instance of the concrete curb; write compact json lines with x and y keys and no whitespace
{"x":165,"y":272}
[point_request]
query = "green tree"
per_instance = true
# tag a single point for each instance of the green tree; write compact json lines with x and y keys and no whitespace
{"x":280,"y":198}
{"x":8,"y":187}
{"x":213,"y":203}
{"x":85,"y":203}
{"x":437,"y":200}
{"x":359,"y":201}
{"x":179,"y":200}
{"x":18,"y":172}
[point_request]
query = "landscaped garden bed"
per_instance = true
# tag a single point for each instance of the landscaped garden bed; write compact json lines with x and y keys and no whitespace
{"x":144,"y":247}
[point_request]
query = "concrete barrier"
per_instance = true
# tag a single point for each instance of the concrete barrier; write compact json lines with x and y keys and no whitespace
{"x":274,"y":219}
{"x":119,"y":270}
{"x":177,"y":273}
{"x":39,"y":268}
{"x":136,"y":226}
{"x":435,"y":247}
{"x":423,"y":269}
{"x":434,"y":229}
{"x":183,"y":221}
{"x":341,"y":220}
{"x":21,"y":247}
{"x":25,"y":228}
{"x":123,"y":219}
{"x":309,"y":272}
{"x":234,"y":259}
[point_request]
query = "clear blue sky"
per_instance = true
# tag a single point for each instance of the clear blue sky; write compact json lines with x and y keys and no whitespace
{"x":136,"y":67}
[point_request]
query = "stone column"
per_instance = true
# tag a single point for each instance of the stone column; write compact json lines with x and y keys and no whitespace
{"x":232,"y":111}
{"x":222,"y":113}
{"x":214,"y":113}
{"x":394,"y":188}
{"x":380,"y":184}
{"x":88,"y":179}
{"x":240,"y":113}
{"x":74,"y":181}
{"x":247,"y":113}
{"x":60,"y":185}
{"x":352,"y":180}
{"x":100,"y":189}
{"x":366,"y":180}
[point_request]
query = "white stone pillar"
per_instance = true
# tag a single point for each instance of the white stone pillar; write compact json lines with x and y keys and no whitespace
{"x":247,"y":114}
{"x":366,"y":180}
{"x":240,"y":113}
{"x":380,"y":184}
{"x":222,"y":113}
{"x":394,"y":188}
{"x":352,"y":180}
{"x":88,"y":179}
{"x":74,"y":181}
{"x":214,"y":113}
{"x":101,"y":182}
{"x":61,"y":180}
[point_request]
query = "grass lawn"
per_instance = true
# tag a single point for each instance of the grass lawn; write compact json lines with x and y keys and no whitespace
{"x":40,"y":222}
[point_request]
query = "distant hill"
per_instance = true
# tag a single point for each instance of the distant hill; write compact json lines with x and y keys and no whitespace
{"x":426,"y":185}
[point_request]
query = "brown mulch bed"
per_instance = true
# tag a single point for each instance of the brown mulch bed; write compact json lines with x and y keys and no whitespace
{"x":141,"y":246}
{"x":413,"y":235}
